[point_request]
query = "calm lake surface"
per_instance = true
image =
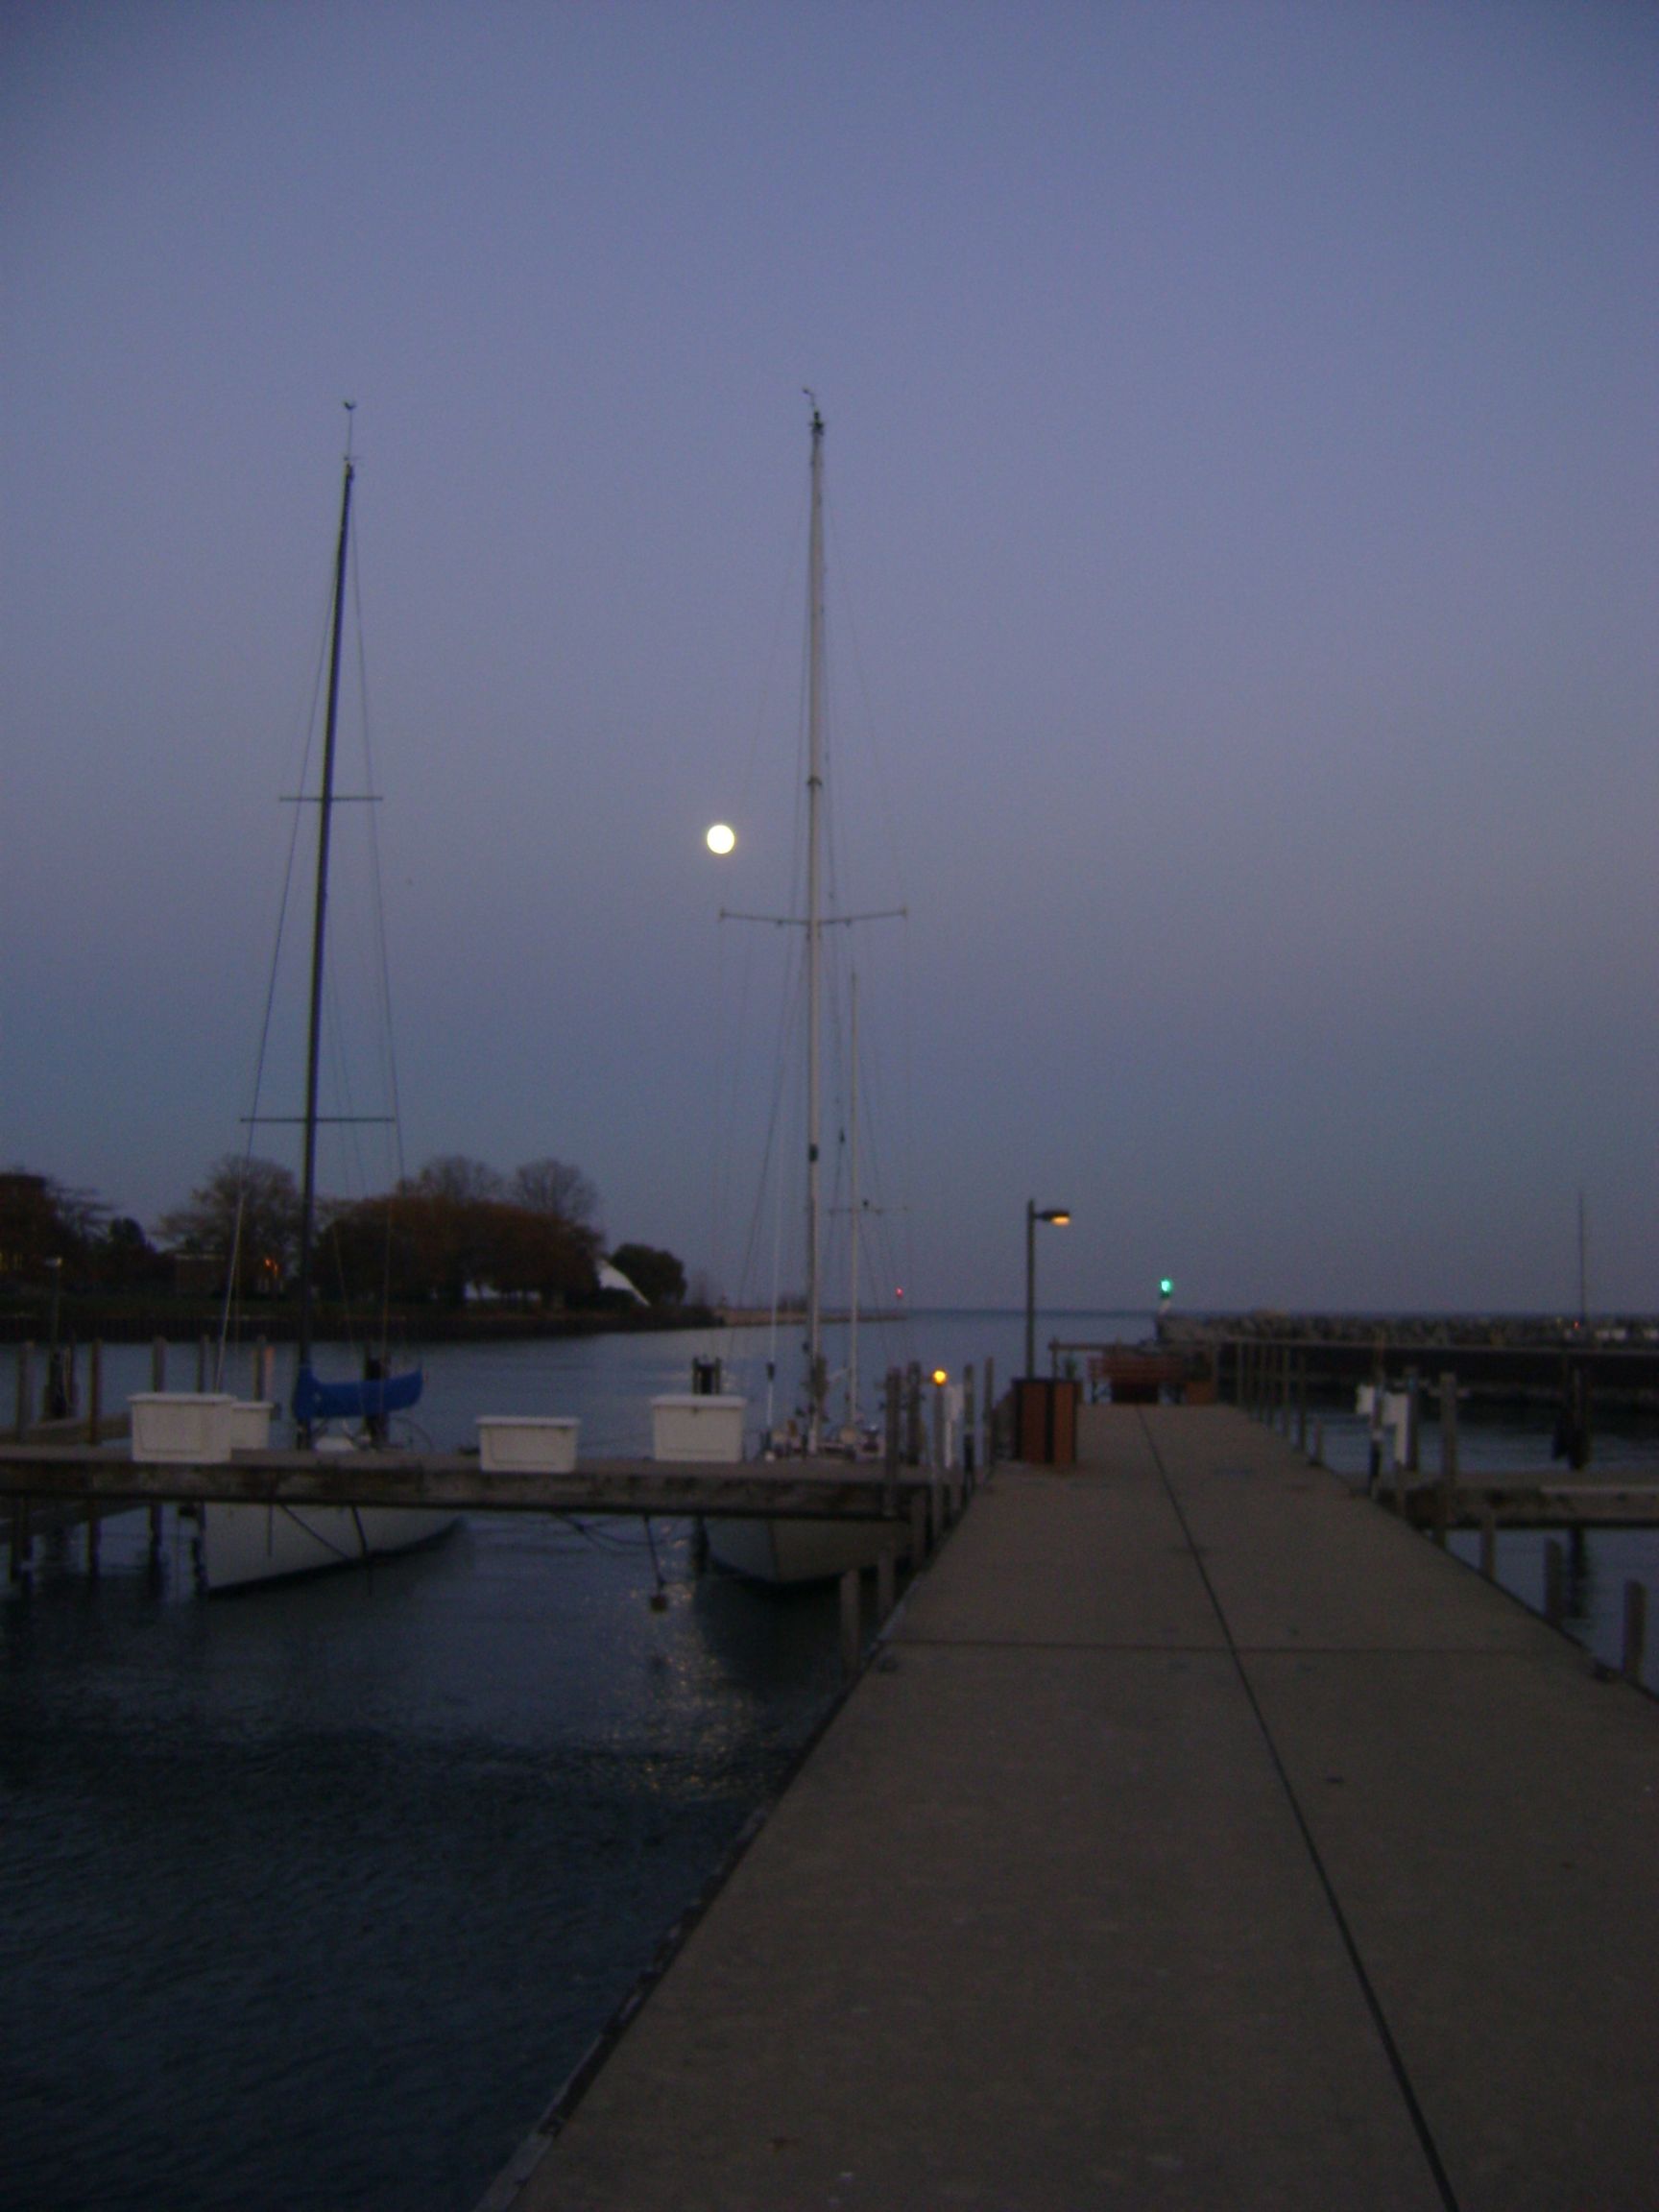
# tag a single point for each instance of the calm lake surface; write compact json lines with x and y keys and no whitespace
{"x":314,"y":1895}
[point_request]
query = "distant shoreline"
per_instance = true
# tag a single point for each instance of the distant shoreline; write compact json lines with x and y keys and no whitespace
{"x":1530,"y":1331}
{"x":89,"y":1319}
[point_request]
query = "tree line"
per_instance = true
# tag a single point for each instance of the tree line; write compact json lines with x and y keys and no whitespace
{"x":456,"y":1231}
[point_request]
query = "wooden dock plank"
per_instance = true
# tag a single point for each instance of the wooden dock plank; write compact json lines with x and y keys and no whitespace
{"x":785,"y":1489}
{"x":1600,"y":1500}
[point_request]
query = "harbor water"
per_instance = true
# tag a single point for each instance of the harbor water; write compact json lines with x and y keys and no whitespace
{"x":314,"y":1895}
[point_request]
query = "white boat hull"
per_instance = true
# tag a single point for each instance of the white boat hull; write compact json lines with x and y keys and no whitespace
{"x":790,"y":1552}
{"x":241,"y":1545}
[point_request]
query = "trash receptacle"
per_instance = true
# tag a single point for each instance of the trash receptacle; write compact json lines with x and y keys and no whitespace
{"x":1046,"y":1420}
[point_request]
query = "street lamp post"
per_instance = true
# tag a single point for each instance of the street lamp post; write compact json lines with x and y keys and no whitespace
{"x":1058,"y":1216}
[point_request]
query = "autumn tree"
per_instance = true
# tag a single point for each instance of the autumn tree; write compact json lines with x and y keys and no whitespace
{"x":541,"y":1255}
{"x":262,"y":1196}
{"x":552,"y":1186}
{"x":458,"y":1226}
{"x":457,"y":1180}
{"x":452,"y":1229}
{"x":124,"y":1259}
{"x":441,"y":1232}
{"x":658,"y":1277}
{"x":32,"y":1225}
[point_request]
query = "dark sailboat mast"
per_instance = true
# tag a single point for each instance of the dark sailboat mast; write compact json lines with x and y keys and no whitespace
{"x":814,"y":941}
{"x":319,"y":922}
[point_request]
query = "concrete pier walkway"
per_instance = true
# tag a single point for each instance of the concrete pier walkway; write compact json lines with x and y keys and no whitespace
{"x":1204,"y":1838}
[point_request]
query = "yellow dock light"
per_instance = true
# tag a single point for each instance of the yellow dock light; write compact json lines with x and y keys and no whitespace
{"x":722,"y":838}
{"x":940,"y":1378}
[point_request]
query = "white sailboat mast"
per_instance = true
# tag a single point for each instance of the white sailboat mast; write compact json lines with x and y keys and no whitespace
{"x":852,"y":1217}
{"x":814,"y":936}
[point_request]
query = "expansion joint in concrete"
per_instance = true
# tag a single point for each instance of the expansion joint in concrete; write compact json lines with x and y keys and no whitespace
{"x":1373,"y":2002}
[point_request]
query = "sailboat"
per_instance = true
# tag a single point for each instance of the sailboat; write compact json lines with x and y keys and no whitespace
{"x":789,"y":1550}
{"x":238,"y":1544}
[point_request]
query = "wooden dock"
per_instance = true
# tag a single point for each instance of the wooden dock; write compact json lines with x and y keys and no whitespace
{"x":1199,"y":1837}
{"x":108,"y":1477}
{"x":1594,"y":1497}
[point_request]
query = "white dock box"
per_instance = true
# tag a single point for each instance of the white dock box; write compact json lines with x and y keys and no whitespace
{"x":526,"y":1443}
{"x":193,"y":1425}
{"x":685,"y":1425}
{"x":251,"y":1423}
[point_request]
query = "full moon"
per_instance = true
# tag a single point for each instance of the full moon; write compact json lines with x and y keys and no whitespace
{"x":721,"y":839}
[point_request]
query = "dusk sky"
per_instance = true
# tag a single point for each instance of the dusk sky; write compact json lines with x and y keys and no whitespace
{"x":1243,"y":538}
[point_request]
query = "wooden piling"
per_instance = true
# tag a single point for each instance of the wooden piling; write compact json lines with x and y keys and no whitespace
{"x":970,"y":1419}
{"x":1635,"y":1630}
{"x":22,"y":1539}
{"x":886,"y":1582}
{"x":1446,"y":1493}
{"x":890,"y":1440}
{"x":919,"y":1546}
{"x":25,"y":1390}
{"x":1414,"y":1421}
{"x":1555,"y":1581}
{"x":59,"y":1398}
{"x":1449,"y":1428}
{"x":1489,"y":1545}
{"x":990,"y":1415}
{"x":851,"y":1609}
{"x":159,"y":1363}
{"x":94,"y":1422}
{"x":913,"y":1414}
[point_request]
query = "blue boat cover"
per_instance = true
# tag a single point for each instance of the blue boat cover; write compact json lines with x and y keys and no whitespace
{"x":365,"y":1401}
